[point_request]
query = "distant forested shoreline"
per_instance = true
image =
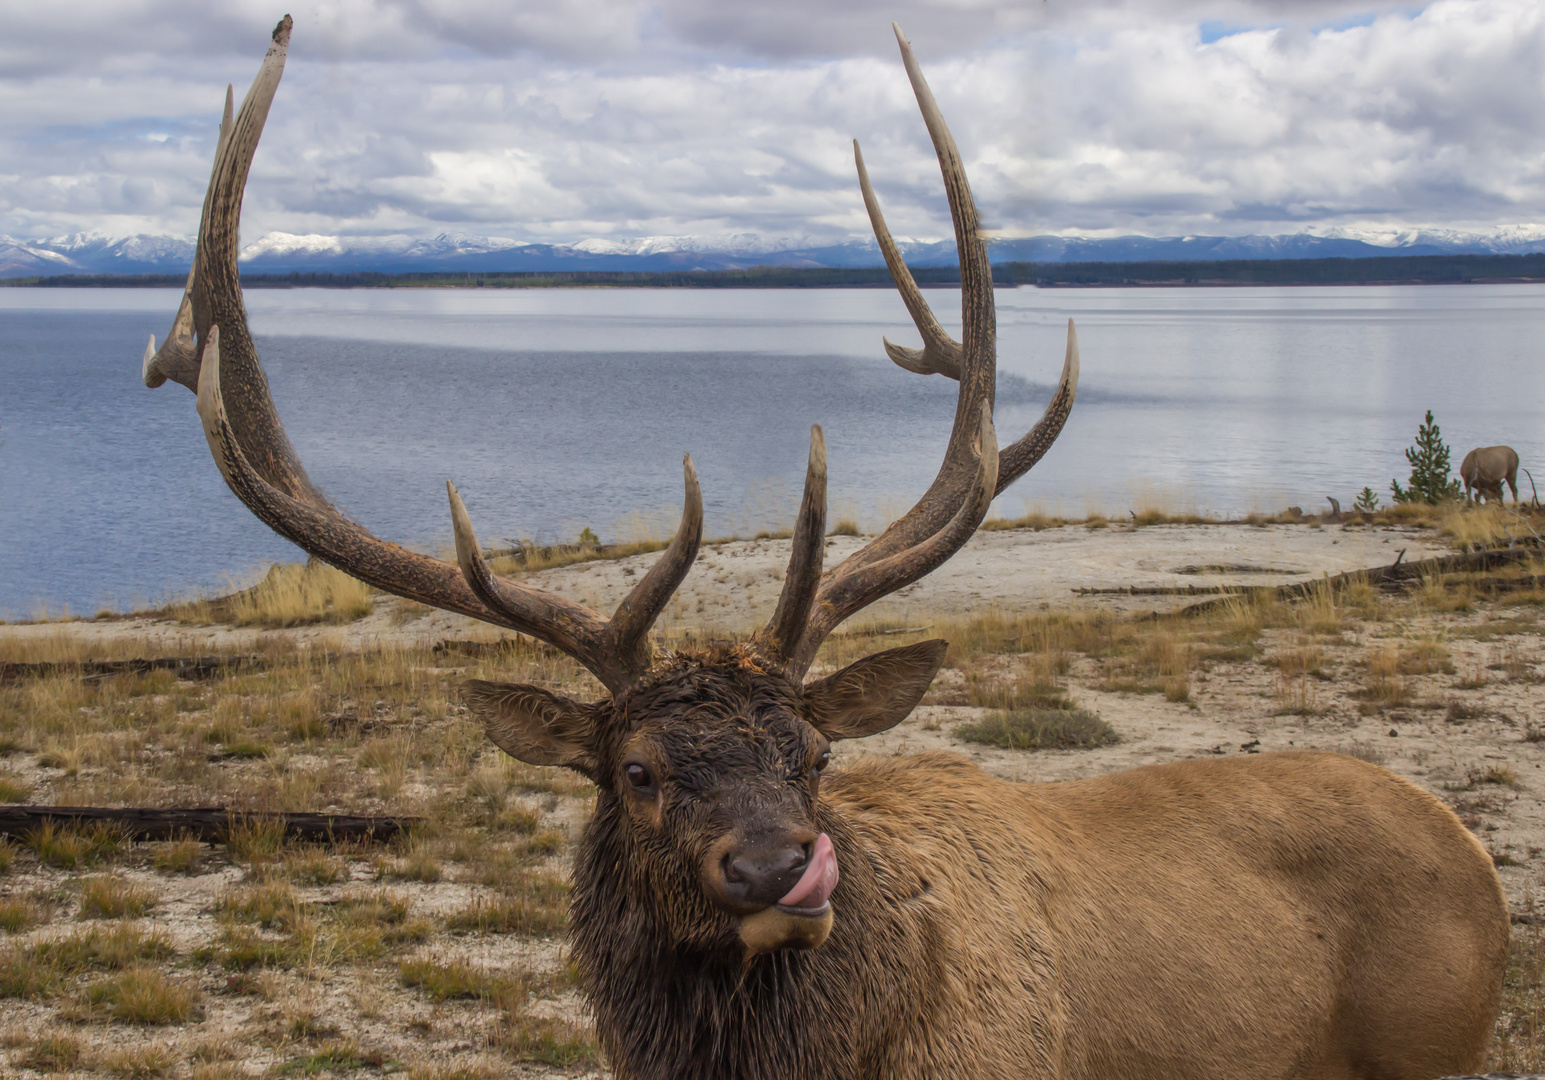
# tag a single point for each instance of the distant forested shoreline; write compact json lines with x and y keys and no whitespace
{"x":1382,"y":270}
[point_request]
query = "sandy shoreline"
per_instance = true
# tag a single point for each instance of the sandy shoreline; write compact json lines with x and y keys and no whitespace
{"x":734,"y":586}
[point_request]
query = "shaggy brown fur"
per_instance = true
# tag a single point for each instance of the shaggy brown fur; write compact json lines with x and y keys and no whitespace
{"x":1283,"y":916}
{"x":1293,"y":915}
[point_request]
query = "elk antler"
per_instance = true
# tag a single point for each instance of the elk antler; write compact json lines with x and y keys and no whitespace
{"x":973,"y":470}
{"x":210,"y":351}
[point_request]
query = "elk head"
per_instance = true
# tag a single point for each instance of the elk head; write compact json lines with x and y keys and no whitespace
{"x":709,"y":764}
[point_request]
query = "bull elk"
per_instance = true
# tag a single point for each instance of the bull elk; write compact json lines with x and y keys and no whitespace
{"x":740,"y":910}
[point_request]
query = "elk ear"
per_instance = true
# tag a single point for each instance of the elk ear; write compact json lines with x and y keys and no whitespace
{"x":534,"y":726}
{"x":874,"y":694}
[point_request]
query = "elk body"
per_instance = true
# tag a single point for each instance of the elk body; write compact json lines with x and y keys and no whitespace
{"x":1486,"y":467}
{"x":739,"y":910}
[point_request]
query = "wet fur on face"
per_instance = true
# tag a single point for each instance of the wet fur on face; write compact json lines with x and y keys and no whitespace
{"x":728,"y":753}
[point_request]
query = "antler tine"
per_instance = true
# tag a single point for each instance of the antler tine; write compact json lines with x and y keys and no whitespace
{"x":322,"y":531}
{"x":841,"y":596}
{"x":977,"y":368}
{"x":615,"y":650}
{"x":261,"y":467}
{"x":1019,"y":458}
{"x":217,"y":287}
{"x":571,"y":627}
{"x":177,"y":359}
{"x":627,"y":635}
{"x":809,"y":548}
{"x":919,"y":540}
{"x":940,"y":354}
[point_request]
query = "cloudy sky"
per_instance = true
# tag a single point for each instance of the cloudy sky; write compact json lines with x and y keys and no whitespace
{"x":560,"y":120}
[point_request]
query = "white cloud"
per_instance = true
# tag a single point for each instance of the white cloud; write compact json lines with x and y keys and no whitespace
{"x":571,"y":118}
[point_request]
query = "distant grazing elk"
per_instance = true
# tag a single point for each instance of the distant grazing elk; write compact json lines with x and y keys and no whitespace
{"x":1484,"y":469}
{"x":1286,"y":915}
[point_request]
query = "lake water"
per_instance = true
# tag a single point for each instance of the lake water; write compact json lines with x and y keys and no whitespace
{"x":554,"y":410}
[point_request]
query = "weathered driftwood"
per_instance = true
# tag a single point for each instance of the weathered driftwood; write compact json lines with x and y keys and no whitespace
{"x":185,"y":667}
{"x":1162,"y":590}
{"x":1395,"y":573}
{"x":210,"y":824}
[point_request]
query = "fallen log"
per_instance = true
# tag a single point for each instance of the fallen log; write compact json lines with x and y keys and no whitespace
{"x":212,"y":824}
{"x":1162,"y":590}
{"x":185,"y":667}
{"x":1395,"y":573}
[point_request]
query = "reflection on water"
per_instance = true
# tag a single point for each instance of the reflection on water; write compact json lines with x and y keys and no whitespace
{"x":558,"y":409}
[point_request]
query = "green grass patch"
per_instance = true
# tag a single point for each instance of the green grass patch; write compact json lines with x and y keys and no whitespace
{"x":1040,"y":729}
{"x":457,"y":979}
{"x":550,"y":1042}
{"x":340,"y":1057}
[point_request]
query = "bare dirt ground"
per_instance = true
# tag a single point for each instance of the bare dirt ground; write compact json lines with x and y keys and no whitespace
{"x":734,"y":586}
{"x":1440,"y":684}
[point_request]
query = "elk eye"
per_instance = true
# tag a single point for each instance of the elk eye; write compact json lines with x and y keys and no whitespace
{"x":824,"y":760}
{"x":639,"y":777}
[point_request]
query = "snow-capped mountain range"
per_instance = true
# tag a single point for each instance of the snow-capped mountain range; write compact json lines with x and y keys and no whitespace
{"x":277,"y":252}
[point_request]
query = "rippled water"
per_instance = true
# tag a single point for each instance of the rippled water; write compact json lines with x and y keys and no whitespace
{"x":559,"y":409}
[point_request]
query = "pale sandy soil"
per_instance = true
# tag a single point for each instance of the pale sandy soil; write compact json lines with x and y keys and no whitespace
{"x":1493,"y":675}
{"x":734,"y":586}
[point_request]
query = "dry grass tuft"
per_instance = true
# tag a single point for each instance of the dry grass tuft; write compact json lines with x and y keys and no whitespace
{"x":52,"y":1052}
{"x":1035,"y":520}
{"x":19,"y":913}
{"x":255,"y":841}
{"x":446,"y":980}
{"x":474,"y":1070}
{"x":1297,"y":695}
{"x":548,"y":1041}
{"x":1478,"y":526}
{"x":69,"y":848}
{"x":417,"y":861}
{"x":1426,"y":657}
{"x":1441,"y":596}
{"x":536,"y":907}
{"x":1383,"y":687}
{"x":44,"y":968}
{"x":290,"y":594}
{"x":139,"y":1062}
{"x":1319,"y":614}
{"x":339,"y":1058}
{"x":1519,"y":1046}
{"x":177,"y":856}
{"x":114,"y":898}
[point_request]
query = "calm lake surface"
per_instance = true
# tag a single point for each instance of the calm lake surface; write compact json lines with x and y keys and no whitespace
{"x":554,"y":410}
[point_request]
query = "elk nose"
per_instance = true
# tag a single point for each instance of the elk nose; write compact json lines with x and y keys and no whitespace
{"x":752,"y":878}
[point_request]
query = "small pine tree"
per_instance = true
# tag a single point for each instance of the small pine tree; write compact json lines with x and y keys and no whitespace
{"x":1367,"y":501}
{"x":1429,"y":482}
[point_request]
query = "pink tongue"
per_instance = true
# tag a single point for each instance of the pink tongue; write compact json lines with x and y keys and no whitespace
{"x":818,"y":880}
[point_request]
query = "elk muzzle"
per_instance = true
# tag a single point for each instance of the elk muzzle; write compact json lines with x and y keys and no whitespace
{"x":779,"y":888}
